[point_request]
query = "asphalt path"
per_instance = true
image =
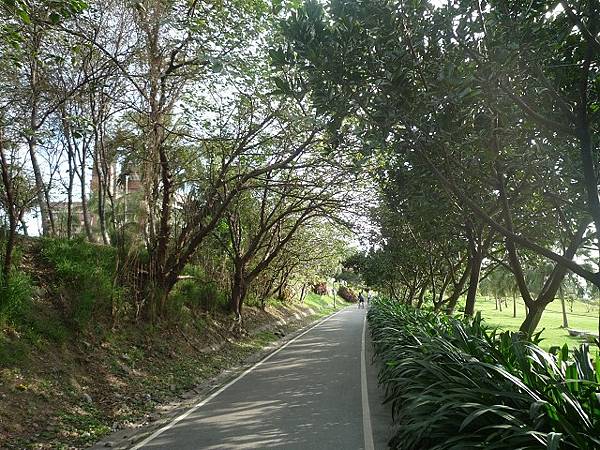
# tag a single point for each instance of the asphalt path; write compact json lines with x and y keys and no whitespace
{"x":312,"y":393}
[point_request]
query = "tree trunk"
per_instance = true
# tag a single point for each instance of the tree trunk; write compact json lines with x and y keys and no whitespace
{"x":9,"y":251}
{"x":552,"y":283}
{"x":412,"y":290}
{"x":514,"y":296}
{"x":440,"y":300}
{"x":70,"y":195}
{"x":421,"y":296}
{"x":564,"y":312}
{"x":476,"y":259}
{"x":157,"y":175}
{"x":452,"y":301}
{"x":404,"y":297}
{"x":12,"y":216}
{"x":71,"y":163}
{"x":268,"y":289}
{"x":42,"y":197}
{"x":164,"y":233}
{"x":281,"y":288}
{"x":102,"y":213}
{"x":164,"y":283}
{"x":591,"y":182}
{"x":40,"y":188}
{"x":587,"y":147}
{"x":238,"y":291}
{"x":24,"y":227}
{"x":532,"y":319}
{"x":84,"y":202}
{"x":101,"y":166}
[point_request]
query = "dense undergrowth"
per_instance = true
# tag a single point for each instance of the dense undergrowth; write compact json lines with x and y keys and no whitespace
{"x":65,"y":286}
{"x":456,"y":384}
{"x":83,"y":277}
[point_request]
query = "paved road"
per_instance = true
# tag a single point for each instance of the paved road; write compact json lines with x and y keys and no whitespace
{"x":309,"y":395}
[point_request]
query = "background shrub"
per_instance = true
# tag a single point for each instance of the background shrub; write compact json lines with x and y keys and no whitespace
{"x":196,"y":293}
{"x":320,"y":288}
{"x":84,"y":277}
{"x":347,"y":294}
{"x":15,"y":296}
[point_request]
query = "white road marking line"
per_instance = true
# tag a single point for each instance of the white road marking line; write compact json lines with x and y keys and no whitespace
{"x":367,"y":430}
{"x":214,"y":394}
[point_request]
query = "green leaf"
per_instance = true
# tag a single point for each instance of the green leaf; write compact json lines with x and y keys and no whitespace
{"x":554,"y":440}
{"x":217,"y":66}
{"x":281,"y":84}
{"x":276,"y":6}
{"x":55,"y":17}
{"x":24,"y":16}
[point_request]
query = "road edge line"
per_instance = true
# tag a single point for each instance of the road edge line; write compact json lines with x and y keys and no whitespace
{"x":367,"y":428}
{"x":230,"y":383}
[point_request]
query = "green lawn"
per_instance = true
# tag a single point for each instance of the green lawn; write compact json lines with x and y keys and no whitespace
{"x":323,"y":304}
{"x":583,"y":317}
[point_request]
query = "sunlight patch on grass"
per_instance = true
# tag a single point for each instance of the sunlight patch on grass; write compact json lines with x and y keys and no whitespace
{"x":323,"y":304}
{"x":583,"y":317}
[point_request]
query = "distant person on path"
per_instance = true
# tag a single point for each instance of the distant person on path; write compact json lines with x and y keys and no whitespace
{"x":368,"y":298}
{"x":361,"y":300}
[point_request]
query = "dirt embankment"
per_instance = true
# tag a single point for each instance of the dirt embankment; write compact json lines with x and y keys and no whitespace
{"x":69,"y":396}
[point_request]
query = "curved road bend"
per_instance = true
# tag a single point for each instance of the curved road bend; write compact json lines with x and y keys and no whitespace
{"x":311,"y":394}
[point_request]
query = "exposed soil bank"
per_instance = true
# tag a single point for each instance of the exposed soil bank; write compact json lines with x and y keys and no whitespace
{"x":106,"y":380}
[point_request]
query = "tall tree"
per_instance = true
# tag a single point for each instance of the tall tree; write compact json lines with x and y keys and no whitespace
{"x":436,"y":82}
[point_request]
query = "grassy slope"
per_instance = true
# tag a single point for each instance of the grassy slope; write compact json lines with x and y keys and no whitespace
{"x":127,"y":373}
{"x":584,"y":317}
{"x":323,"y":304}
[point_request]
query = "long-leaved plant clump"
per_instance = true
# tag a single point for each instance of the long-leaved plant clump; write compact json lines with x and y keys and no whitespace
{"x":455,"y":384}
